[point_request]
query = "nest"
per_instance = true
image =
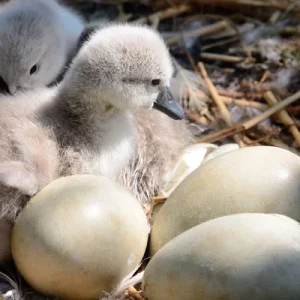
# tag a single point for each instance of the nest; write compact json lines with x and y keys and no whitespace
{"x":237,"y":66}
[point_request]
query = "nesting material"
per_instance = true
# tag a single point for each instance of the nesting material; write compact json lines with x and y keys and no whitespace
{"x":79,"y":237}
{"x":244,"y":256}
{"x":5,"y":235}
{"x":255,"y":179}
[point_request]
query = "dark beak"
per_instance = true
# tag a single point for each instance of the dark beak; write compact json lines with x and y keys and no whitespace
{"x":3,"y":87}
{"x":168,"y":105}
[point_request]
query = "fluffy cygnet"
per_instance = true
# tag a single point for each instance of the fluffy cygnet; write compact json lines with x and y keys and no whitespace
{"x":37,"y":37}
{"x":99,"y":120}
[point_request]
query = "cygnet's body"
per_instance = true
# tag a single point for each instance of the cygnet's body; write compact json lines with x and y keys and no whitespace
{"x":37,"y":38}
{"x":98,"y":120}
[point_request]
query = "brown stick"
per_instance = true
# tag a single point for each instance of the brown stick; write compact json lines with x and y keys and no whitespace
{"x":221,"y":57}
{"x":284,"y":117}
{"x":235,"y":94}
{"x":244,"y":103}
{"x":165,"y":14}
{"x":209,"y":29}
{"x":293,"y":109}
{"x":216,"y":97}
{"x":282,"y":5}
{"x":133,"y":292}
{"x":250,"y":123}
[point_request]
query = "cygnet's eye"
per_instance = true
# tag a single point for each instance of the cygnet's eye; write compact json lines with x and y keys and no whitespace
{"x":155,"y":82}
{"x":34,"y":69}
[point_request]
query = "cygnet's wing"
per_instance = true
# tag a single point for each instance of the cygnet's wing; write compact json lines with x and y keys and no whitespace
{"x":24,"y":103}
{"x":28,"y":152}
{"x":14,"y":174}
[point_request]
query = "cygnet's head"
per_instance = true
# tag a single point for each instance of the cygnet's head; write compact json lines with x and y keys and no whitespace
{"x":32,"y":51}
{"x":128,"y":67}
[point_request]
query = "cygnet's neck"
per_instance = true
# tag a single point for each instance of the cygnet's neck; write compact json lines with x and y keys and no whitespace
{"x":91,"y":119}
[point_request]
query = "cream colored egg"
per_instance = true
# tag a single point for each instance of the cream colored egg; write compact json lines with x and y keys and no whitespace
{"x":5,"y":237}
{"x":254,"y":179}
{"x":79,"y":236}
{"x":237,"y":257}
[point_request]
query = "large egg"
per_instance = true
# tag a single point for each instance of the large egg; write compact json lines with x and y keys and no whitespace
{"x":5,"y":237}
{"x":79,"y":236}
{"x":243,"y":256}
{"x":255,"y":179}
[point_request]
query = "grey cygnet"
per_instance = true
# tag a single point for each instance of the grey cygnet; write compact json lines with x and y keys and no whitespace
{"x":37,"y":37}
{"x":98,"y":120}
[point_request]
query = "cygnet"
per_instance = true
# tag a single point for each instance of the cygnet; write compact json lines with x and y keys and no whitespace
{"x":98,"y":120}
{"x":37,"y":38}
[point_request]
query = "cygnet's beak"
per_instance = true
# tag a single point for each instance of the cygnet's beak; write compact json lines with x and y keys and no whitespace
{"x":3,"y":87}
{"x":168,"y":105}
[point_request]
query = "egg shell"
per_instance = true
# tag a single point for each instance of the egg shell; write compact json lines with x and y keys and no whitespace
{"x":5,"y":238}
{"x":255,"y":179}
{"x":219,"y":151}
{"x":79,"y":236}
{"x":190,"y":159}
{"x":243,"y":256}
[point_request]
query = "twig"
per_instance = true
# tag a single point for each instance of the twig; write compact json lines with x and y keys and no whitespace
{"x":220,"y":43}
{"x":269,"y":140}
{"x":293,"y":109}
{"x":133,"y":292}
{"x":209,"y":29}
{"x":284,"y":117}
{"x":221,"y":57}
{"x":250,"y":123}
{"x":279,"y":143}
{"x":165,"y":14}
{"x":250,"y":142}
{"x":216,"y":97}
{"x":244,"y":103}
{"x":282,"y":5}
{"x":159,"y":199}
{"x":235,"y":94}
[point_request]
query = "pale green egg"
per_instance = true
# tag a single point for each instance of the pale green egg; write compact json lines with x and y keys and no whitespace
{"x":79,"y":237}
{"x":254,"y":179}
{"x":236,"y":257}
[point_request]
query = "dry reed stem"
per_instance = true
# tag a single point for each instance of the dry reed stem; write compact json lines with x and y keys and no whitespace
{"x":281,"y":5}
{"x":165,"y":14}
{"x":222,"y":57}
{"x":209,"y":29}
{"x":216,"y":97}
{"x":159,"y":199}
{"x":284,"y":117}
{"x":271,"y":141}
{"x":250,"y":123}
{"x":293,"y":109}
{"x":235,"y":94}
{"x":134,"y":293}
{"x":244,"y":103}
{"x":278,"y":143}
